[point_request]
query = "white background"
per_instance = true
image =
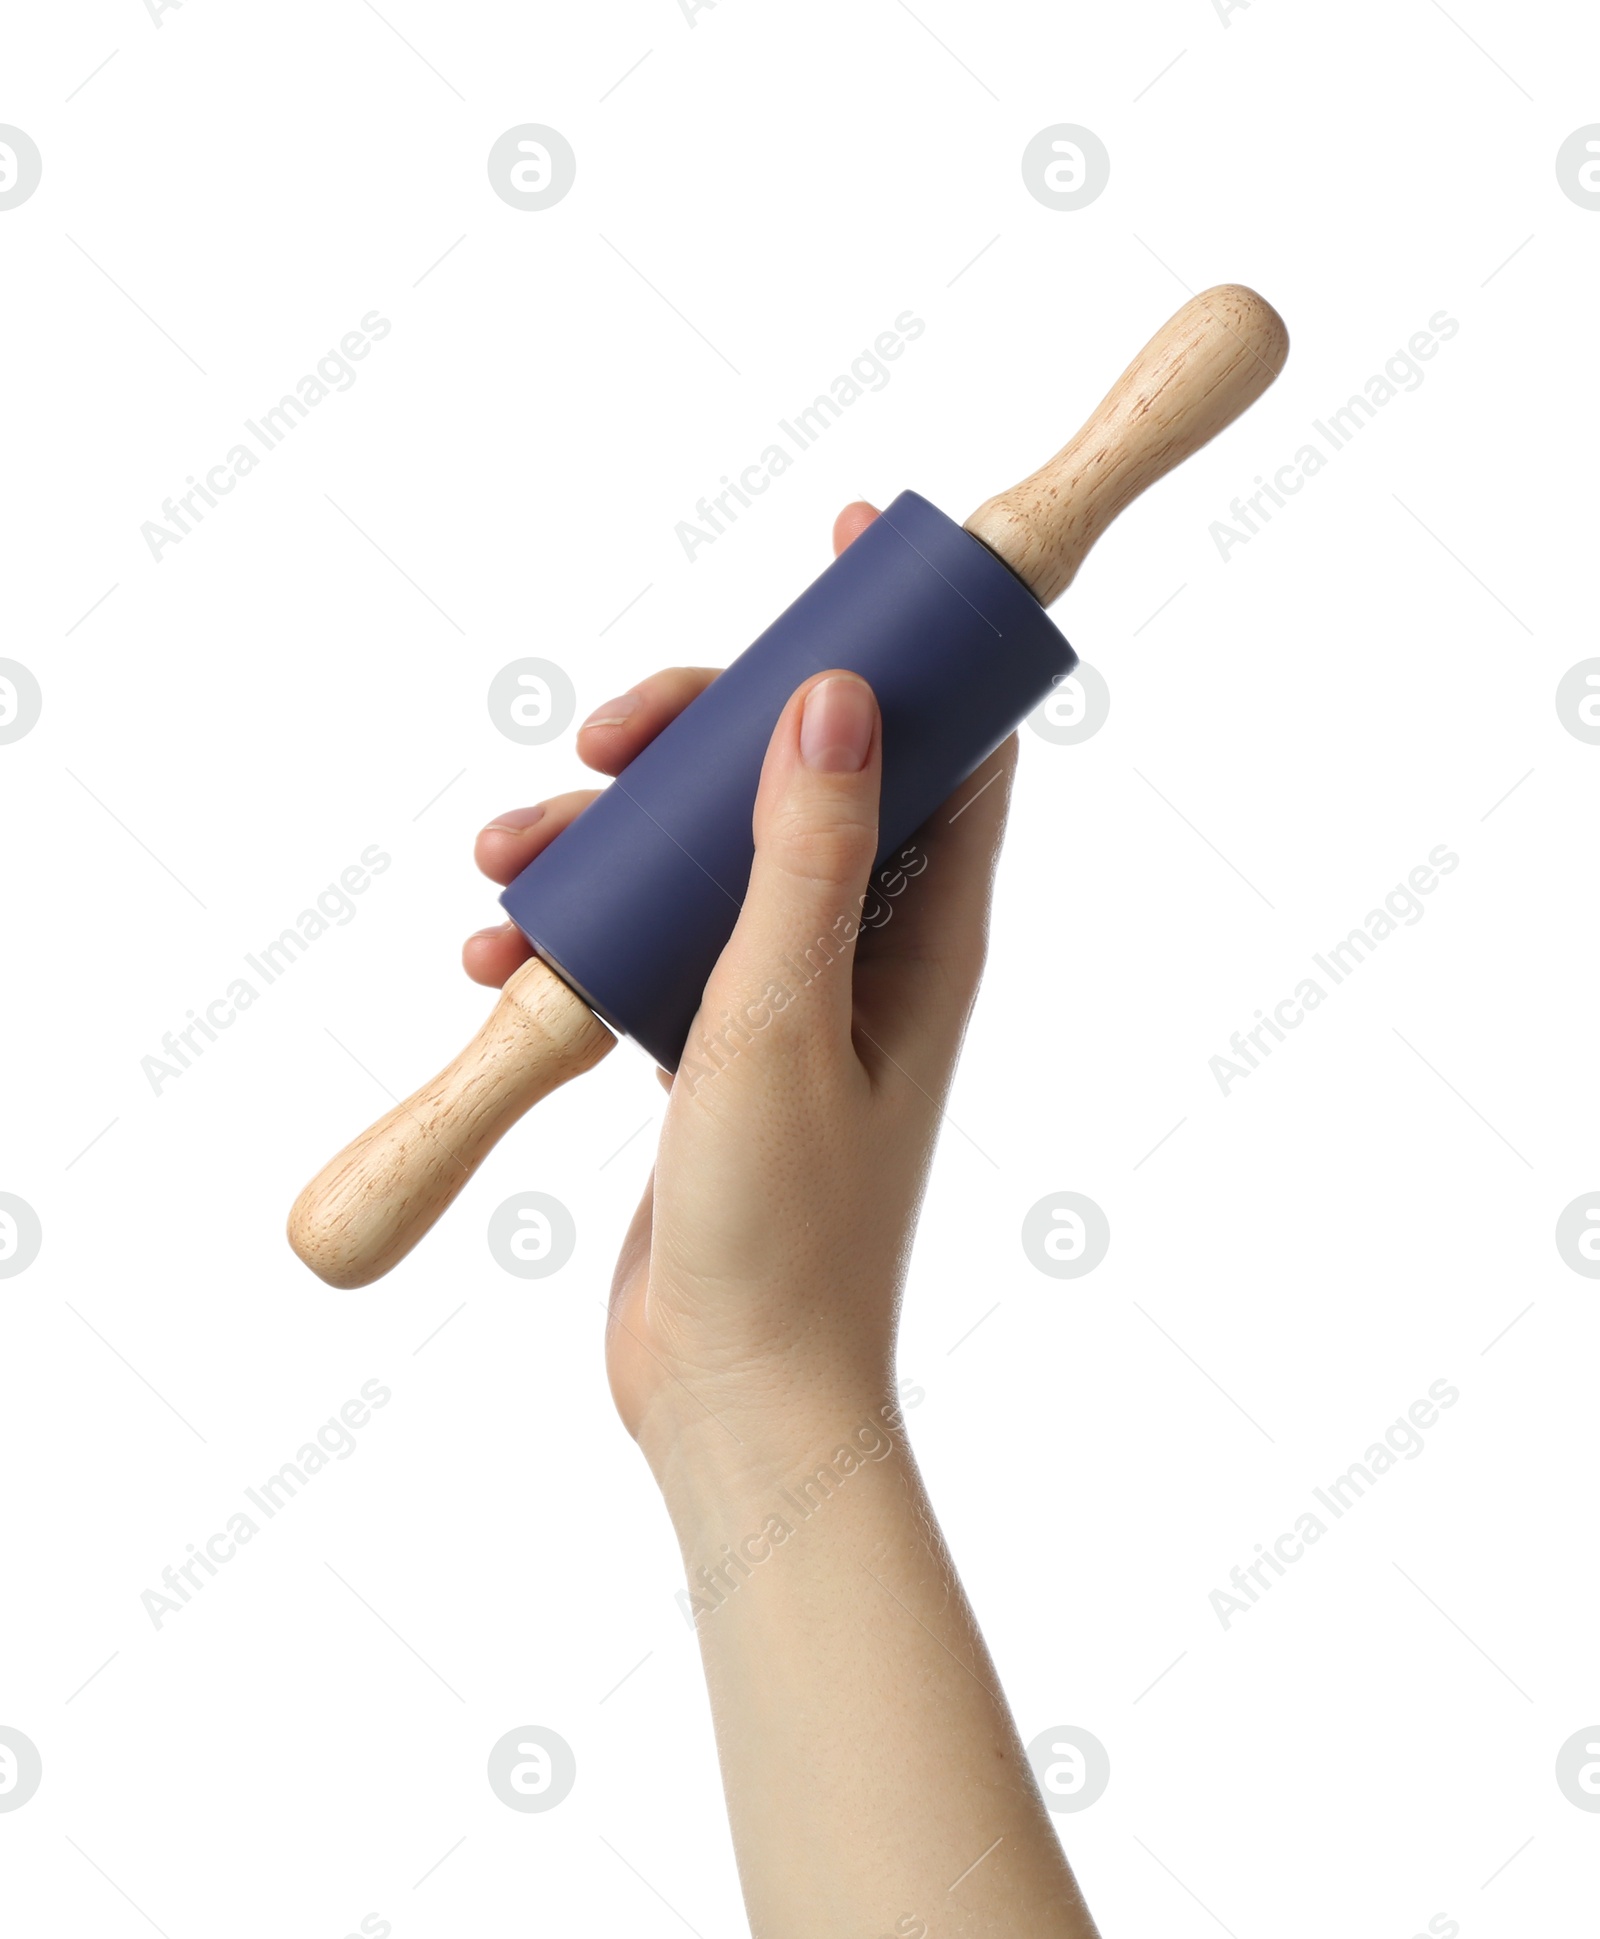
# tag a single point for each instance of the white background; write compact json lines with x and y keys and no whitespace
{"x":226,"y":731}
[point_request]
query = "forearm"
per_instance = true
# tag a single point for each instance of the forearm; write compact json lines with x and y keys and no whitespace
{"x":875,"y":1780}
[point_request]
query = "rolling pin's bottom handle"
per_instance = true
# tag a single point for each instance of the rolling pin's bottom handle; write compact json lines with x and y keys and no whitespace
{"x":368,"y":1207}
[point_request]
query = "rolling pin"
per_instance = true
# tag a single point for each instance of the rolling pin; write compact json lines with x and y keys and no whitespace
{"x":630,"y":906}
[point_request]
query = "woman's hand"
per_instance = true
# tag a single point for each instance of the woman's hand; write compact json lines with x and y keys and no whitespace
{"x":757,"y":1288}
{"x":875,"y":1778}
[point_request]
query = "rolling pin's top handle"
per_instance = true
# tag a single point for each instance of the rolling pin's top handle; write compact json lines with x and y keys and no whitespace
{"x":1198,"y":372}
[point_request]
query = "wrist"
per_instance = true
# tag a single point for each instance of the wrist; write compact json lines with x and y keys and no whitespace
{"x":723,"y":1476}
{"x":851,"y":1498}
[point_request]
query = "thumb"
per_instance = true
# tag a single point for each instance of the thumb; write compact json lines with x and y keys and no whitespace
{"x":791,"y":956}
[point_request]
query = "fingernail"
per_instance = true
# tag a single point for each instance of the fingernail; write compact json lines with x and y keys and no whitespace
{"x":612,"y":713}
{"x":836,"y":726}
{"x":499,"y":929}
{"x":516,"y":819}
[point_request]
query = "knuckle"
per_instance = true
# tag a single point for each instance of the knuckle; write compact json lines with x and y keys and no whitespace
{"x":679,"y":684}
{"x":830,"y":845}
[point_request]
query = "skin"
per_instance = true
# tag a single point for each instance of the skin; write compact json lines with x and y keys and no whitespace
{"x":875,"y":1780}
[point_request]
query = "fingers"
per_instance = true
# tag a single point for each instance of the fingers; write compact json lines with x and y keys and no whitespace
{"x":816,"y":832}
{"x":491,"y":955}
{"x":608,"y":740}
{"x":926,"y":922}
{"x":503,"y":850}
{"x":619,"y":729}
{"x":510,"y":842}
{"x":851,"y":523}
{"x":613,"y":734}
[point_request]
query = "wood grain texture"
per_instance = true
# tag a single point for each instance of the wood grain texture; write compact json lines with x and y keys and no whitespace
{"x":1203,"y":368}
{"x":366,"y":1209}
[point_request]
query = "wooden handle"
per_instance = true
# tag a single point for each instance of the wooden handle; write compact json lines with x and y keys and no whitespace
{"x":366,"y":1209}
{"x":1205,"y":366}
